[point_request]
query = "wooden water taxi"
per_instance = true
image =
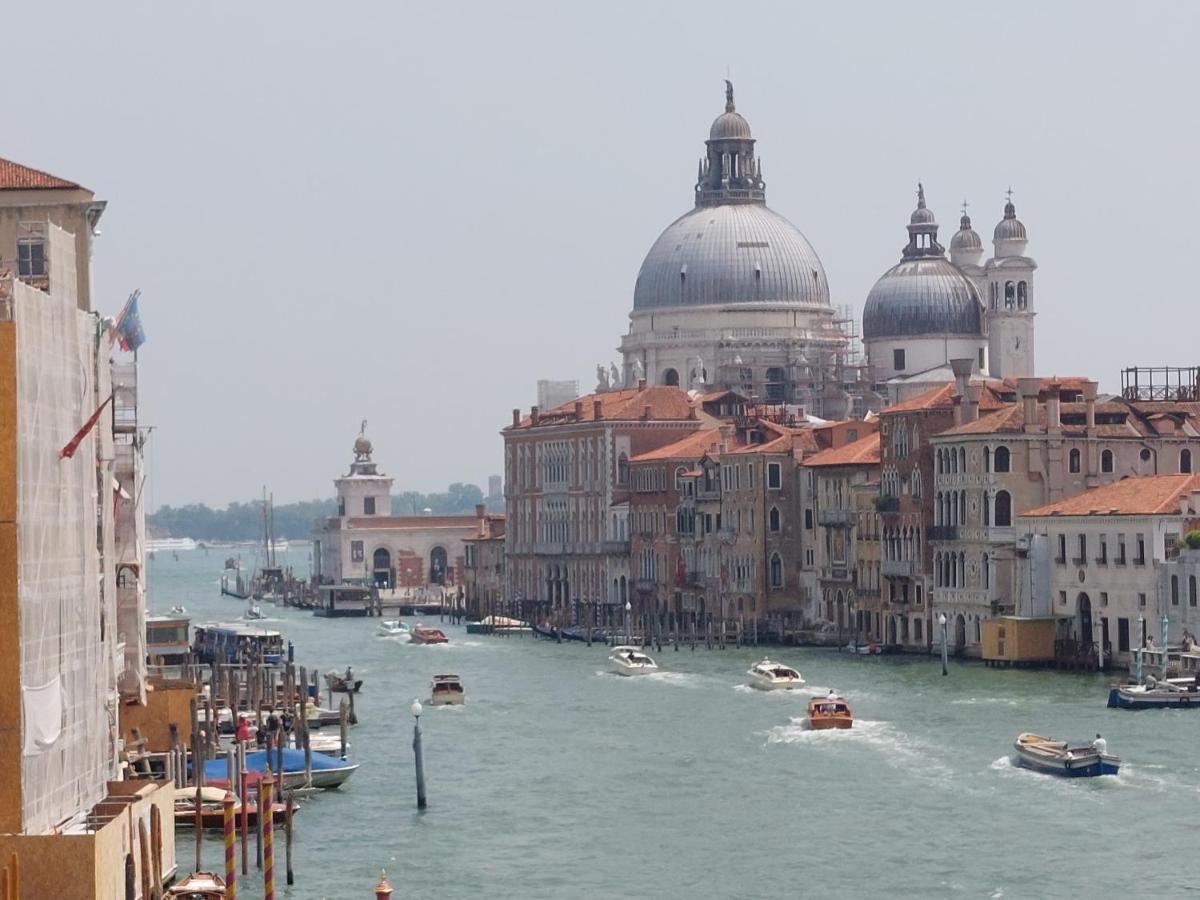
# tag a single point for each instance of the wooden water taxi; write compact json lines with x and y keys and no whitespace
{"x":422,"y":635}
{"x":446,"y":690}
{"x":829,"y":712}
{"x":212,"y":809}
{"x":1053,"y":757}
{"x":197,"y":886}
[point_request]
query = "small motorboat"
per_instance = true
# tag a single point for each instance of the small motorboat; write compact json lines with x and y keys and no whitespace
{"x":343,"y":684}
{"x":829,"y":712}
{"x":422,"y":635}
{"x":197,"y":886}
{"x":253,"y":611}
{"x":625,"y":660}
{"x":391,"y":628}
{"x":868,"y":649}
{"x":1051,"y":757}
{"x":327,"y":771}
{"x":771,"y":676}
{"x":497,"y":625}
{"x":1168,"y":693}
{"x":212,"y":809}
{"x":178,"y":610}
{"x":319,"y":716}
{"x":446,"y":690}
{"x":580,"y":633}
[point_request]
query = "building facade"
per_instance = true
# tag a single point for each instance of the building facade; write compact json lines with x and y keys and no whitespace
{"x":483,"y":566}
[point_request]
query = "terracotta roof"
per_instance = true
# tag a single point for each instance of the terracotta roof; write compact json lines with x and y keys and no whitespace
{"x":943,"y":398}
{"x":691,"y":447}
{"x":414,"y":522}
{"x":1144,"y":495}
{"x":666,"y":403}
{"x":16,"y":177}
{"x":1011,"y":420}
{"x":863,"y":452}
{"x":785,"y":438}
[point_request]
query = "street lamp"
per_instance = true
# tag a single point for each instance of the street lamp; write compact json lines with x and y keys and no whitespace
{"x":417,"y":709}
{"x":1141,"y":645}
{"x":420,"y":760}
{"x":628,"y":607}
{"x":942,"y":622}
{"x":1164,"y":648}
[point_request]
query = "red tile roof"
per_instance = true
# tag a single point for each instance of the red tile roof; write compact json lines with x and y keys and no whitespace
{"x":666,"y":403}
{"x":1144,"y":495}
{"x":16,"y":177}
{"x":694,"y":446}
{"x":863,"y":452}
{"x":943,"y":398}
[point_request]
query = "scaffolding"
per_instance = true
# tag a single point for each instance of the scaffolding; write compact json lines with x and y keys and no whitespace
{"x":1162,"y":383}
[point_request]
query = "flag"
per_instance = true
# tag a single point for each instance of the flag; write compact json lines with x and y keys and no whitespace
{"x":72,"y":445}
{"x":129,"y":324}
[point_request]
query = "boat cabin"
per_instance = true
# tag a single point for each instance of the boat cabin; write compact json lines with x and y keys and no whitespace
{"x":235,"y":643}
{"x":342,"y":600}
{"x":167,"y":645}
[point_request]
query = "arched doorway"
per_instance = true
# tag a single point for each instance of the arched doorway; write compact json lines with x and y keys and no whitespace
{"x":960,"y":634}
{"x":670,"y":378}
{"x":841,"y":612}
{"x":381,"y":568}
{"x":891,"y":630}
{"x":437,"y":565}
{"x":1085,"y":617}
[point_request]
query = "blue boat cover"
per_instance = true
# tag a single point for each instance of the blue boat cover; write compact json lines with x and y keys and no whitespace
{"x":293,"y":761}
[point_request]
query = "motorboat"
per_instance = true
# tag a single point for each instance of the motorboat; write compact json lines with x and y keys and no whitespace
{"x":178,"y":610}
{"x":329,"y":743}
{"x":253,"y":611}
{"x":827,"y":712}
{"x":1167,"y":693}
{"x":580,"y":633}
{"x":771,"y":676}
{"x":1052,"y":757}
{"x":497,"y":625}
{"x":328,"y":771}
{"x":422,"y":635}
{"x":446,"y":690}
{"x":868,"y":649}
{"x":212,"y":809}
{"x":318,"y":716}
{"x":197,"y":886}
{"x":343,"y":684}
{"x":392,"y":628}
{"x":626,"y":660}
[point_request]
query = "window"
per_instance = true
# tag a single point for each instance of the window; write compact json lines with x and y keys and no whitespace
{"x":1123,"y":635}
{"x":1142,"y":602}
{"x":341,"y":506}
{"x":1081,"y":559}
{"x":1104,"y":598}
{"x":1106,"y":461}
{"x":1191,"y":590}
{"x":808,"y":520}
{"x":1000,"y":459}
{"x":368,"y":506}
{"x":1144,"y":455}
{"x":982,"y":361}
{"x":1102,"y":559}
{"x":1061,"y":559}
{"x":31,"y":249}
{"x":356,"y":551}
{"x":773,"y":518}
{"x":1022,"y":295}
{"x":1174,"y":590}
{"x":898,"y":360}
{"x":1185,"y":460}
{"x":1003,"y":509}
{"x":1062,"y":598}
{"x":1120,"y":549}
{"x":776,"y":571}
{"x":774,"y":476}
{"x":623,"y":469}
{"x":1140,"y":559}
{"x":1073,"y":461}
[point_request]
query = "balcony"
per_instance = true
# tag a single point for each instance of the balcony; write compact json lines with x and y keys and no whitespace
{"x":837,"y":518}
{"x":897,"y":568}
{"x":887,"y":504}
{"x":835,"y":573}
{"x":1079,"y":560}
{"x":943,"y":533}
{"x":616,"y":548}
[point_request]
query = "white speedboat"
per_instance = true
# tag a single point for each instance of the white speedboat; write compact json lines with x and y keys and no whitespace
{"x":446,"y":690}
{"x":253,"y":611}
{"x":772,"y":676}
{"x":391,"y":628}
{"x":631,"y":661}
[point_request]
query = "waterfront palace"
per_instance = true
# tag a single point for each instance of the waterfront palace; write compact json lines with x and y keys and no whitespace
{"x":745,"y":468}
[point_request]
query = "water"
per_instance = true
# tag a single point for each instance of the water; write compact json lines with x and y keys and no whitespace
{"x":557,"y":780}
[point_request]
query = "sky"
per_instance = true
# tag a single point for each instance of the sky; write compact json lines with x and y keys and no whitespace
{"x":410,"y":212}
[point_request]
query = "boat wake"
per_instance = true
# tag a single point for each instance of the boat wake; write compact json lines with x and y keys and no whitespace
{"x":899,"y":749}
{"x":975,"y":701}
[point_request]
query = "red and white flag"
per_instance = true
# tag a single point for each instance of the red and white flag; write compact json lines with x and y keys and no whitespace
{"x":72,"y":445}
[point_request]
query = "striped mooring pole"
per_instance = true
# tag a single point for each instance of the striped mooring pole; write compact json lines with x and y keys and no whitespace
{"x":227,"y":822}
{"x":266,"y":815}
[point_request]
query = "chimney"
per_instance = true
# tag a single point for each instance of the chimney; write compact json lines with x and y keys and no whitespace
{"x":1027,"y":389}
{"x":971,"y":407}
{"x":533,"y":415}
{"x":692,"y":414}
{"x":958,"y":409}
{"x":962,"y":374}
{"x":480,"y":510}
{"x":646,"y":415}
{"x":597,"y":409}
{"x":516,"y":417}
{"x":641,"y":384}
{"x":726,"y":434}
{"x":1090,"y":389}
{"x":481,"y":519}
{"x":1053,"y":406}
{"x":578,"y":410}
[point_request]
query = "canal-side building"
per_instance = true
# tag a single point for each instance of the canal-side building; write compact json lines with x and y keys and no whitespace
{"x":483,"y":565}
{"x":365,"y":544}
{"x":1116,"y":563}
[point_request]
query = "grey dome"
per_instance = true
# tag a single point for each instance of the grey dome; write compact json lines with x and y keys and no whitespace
{"x":732,"y":253}
{"x":965,"y":238}
{"x":729,"y":126}
{"x":924,"y":296}
{"x":922,"y":215}
{"x":1010,"y":228}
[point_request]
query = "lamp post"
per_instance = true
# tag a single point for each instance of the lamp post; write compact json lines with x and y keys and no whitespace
{"x":1165,"y":655}
{"x":416,"y":711}
{"x":942,"y":622}
{"x":628,"y":607}
{"x":1141,"y":645}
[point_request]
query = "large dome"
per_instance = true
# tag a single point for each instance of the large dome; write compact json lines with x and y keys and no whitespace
{"x":924,"y":296}
{"x":733,"y":253}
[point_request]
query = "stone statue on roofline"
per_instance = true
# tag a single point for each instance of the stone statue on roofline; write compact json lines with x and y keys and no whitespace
{"x":639,"y":371}
{"x":614,"y":377}
{"x":601,"y":378}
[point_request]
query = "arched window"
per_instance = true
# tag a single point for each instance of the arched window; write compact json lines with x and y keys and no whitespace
{"x":776,"y":571}
{"x":937,"y":569}
{"x":987,"y":508}
{"x":995,"y":294}
{"x":1073,"y":460}
{"x":1022,"y":295}
{"x":670,"y":377}
{"x":1185,"y":460}
{"x":987,"y":459}
{"x":986,"y":572}
{"x":1003,"y":509}
{"x":622,"y":469}
{"x":962,"y":459}
{"x":774,"y":519}
{"x":1106,"y":460}
{"x":962,"y":507}
{"x":1000,"y":459}
{"x":916,"y":483}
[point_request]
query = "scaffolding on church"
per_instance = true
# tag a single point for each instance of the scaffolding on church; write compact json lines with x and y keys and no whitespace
{"x":1170,"y":383}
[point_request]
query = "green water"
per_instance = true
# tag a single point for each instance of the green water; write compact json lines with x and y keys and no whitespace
{"x":557,"y":780}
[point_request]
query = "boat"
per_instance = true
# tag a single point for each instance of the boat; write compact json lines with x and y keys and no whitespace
{"x":771,"y":676}
{"x":626,"y":660}
{"x":446,"y":690}
{"x":230,"y":642}
{"x":868,"y":649}
{"x":197,"y":886}
{"x":422,"y":635}
{"x":343,"y":684}
{"x":1167,"y":693}
{"x":580,"y":633}
{"x":831,"y":711}
{"x":155,"y":545}
{"x":329,"y":743}
{"x":392,"y":628}
{"x":328,"y":771}
{"x":212,"y":809}
{"x":178,"y":610}
{"x":254,"y":611}
{"x":497,"y":625}
{"x":1051,"y":757}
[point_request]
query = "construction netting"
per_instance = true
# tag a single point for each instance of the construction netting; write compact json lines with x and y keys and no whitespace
{"x":66,"y":595}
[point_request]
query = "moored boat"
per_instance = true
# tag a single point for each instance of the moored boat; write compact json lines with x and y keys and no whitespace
{"x":212,"y":808}
{"x":497,"y":625}
{"x":771,"y":676}
{"x":1053,"y":757}
{"x":1169,"y":693}
{"x":829,"y":712}
{"x":391,"y":628}
{"x":868,"y":649}
{"x":422,"y":635}
{"x":625,"y":660}
{"x":343,"y":684}
{"x":327,"y":771}
{"x":197,"y":886}
{"x":446,"y":690}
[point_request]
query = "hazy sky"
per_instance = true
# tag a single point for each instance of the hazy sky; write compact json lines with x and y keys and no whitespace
{"x":410,"y":212}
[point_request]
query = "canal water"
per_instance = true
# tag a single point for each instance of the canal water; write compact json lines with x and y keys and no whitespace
{"x":558,"y":780}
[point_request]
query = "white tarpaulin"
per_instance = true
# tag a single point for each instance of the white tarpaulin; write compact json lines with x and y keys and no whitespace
{"x":43,"y":708}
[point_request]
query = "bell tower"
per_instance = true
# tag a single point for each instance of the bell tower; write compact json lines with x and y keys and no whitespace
{"x":1008,"y":277}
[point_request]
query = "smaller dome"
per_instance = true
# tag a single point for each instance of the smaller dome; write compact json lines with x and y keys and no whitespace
{"x":965,"y":238}
{"x":922,"y":215}
{"x":362,"y":446}
{"x":729,"y":126}
{"x":1010,"y":228}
